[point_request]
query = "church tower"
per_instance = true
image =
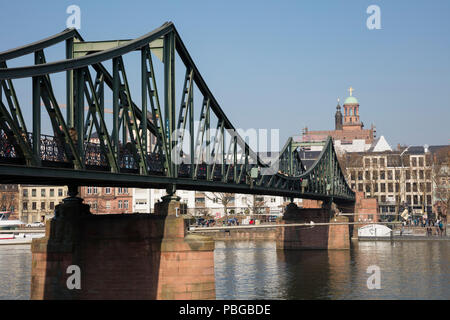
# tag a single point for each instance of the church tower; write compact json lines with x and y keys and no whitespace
{"x":351,"y":113}
{"x":338,"y":118}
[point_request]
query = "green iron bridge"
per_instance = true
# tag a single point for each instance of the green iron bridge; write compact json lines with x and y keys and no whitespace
{"x":140,"y":142}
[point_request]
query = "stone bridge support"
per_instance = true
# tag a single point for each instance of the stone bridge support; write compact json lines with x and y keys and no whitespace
{"x":326,"y":237}
{"x":137,"y":256}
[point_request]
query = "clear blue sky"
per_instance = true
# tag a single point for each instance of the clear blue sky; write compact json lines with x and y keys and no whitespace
{"x":283,"y":64}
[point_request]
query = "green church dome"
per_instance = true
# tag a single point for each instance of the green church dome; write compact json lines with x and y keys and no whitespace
{"x":351,"y":100}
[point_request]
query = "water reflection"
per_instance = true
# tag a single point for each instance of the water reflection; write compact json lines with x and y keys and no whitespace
{"x":256,"y":270}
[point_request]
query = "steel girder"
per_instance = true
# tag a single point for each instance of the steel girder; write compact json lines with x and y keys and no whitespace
{"x":122,"y":147}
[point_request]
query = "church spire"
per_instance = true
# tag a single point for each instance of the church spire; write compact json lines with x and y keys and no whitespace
{"x":338,"y":117}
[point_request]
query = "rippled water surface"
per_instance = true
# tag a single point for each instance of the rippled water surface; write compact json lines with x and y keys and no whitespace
{"x":256,"y":270}
{"x":409,"y":270}
{"x":15,"y":271}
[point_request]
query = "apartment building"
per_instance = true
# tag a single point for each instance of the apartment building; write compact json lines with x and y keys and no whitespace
{"x":395,"y":178}
{"x":104,"y":200}
{"x":37,"y":203}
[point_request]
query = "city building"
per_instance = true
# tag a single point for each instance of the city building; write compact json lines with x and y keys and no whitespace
{"x":108,"y":199}
{"x":9,"y":199}
{"x":402,"y":178}
{"x":37,"y":203}
{"x":348,"y":135}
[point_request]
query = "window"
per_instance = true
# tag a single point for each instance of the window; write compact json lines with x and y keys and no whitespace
{"x":383,"y":187}
{"x":408,"y":187}
{"x":414,"y":162}
{"x":397,"y":187}
{"x":375,"y":175}
{"x":414,"y":174}
{"x":108,"y":205}
{"x":382,"y":162}
{"x":408,"y":199}
{"x":390,"y":187}
{"x":420,"y":162}
{"x":368,"y":188}
{"x":428,"y":199}
{"x":33,"y":192}
{"x":42,"y":205}
{"x":390,"y":174}
{"x":375,"y":161}
{"x":382,"y":175}
{"x":383,"y":198}
{"x":125,"y":204}
{"x":42,"y":192}
{"x":360,"y":175}
{"x":367,"y":175}
{"x":408,"y":174}
{"x":376,"y":187}
{"x":94,"y":205}
{"x":107,"y":190}
{"x":414,"y":187}
{"x":52,"y":192}
{"x":428,"y":186}
{"x":25,"y":193}
{"x":60,"y":192}
{"x":33,"y":206}
{"x":421,"y":174}
{"x":360,"y":187}
{"x":416,"y":200}
{"x":25,"y":206}
{"x":120,"y":204}
{"x":202,"y":200}
{"x":52,"y":205}
{"x":353,"y":175}
{"x":367,"y":162}
{"x":397,"y":174}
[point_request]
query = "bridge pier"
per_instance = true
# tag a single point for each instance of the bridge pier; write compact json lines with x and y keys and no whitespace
{"x":138,"y":256}
{"x":313,"y":237}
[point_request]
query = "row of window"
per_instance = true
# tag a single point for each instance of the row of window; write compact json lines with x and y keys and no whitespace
{"x":106,"y":190}
{"x":25,"y":192}
{"x":411,"y":200}
{"x":43,"y":206}
{"x":122,"y":204}
{"x":390,"y":174}
{"x":406,"y":160}
{"x":394,"y":187}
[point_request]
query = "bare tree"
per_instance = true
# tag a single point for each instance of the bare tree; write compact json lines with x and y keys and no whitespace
{"x":256,"y":204}
{"x":441,"y":179}
{"x":223,"y":198}
{"x":9,"y":198}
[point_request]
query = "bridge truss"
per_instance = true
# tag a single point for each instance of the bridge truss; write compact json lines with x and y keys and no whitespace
{"x":142,"y":141}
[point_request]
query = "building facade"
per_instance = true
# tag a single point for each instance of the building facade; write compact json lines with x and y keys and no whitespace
{"x":37,"y":203}
{"x":9,"y":199}
{"x":104,"y":200}
{"x":397,"y":179}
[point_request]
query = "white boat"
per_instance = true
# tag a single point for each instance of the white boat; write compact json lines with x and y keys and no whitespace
{"x":374,"y":231}
{"x":10,"y":233}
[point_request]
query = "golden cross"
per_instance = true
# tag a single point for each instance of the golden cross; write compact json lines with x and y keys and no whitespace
{"x":350,"y":90}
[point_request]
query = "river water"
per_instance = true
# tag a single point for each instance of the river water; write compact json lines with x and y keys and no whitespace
{"x":256,"y":270}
